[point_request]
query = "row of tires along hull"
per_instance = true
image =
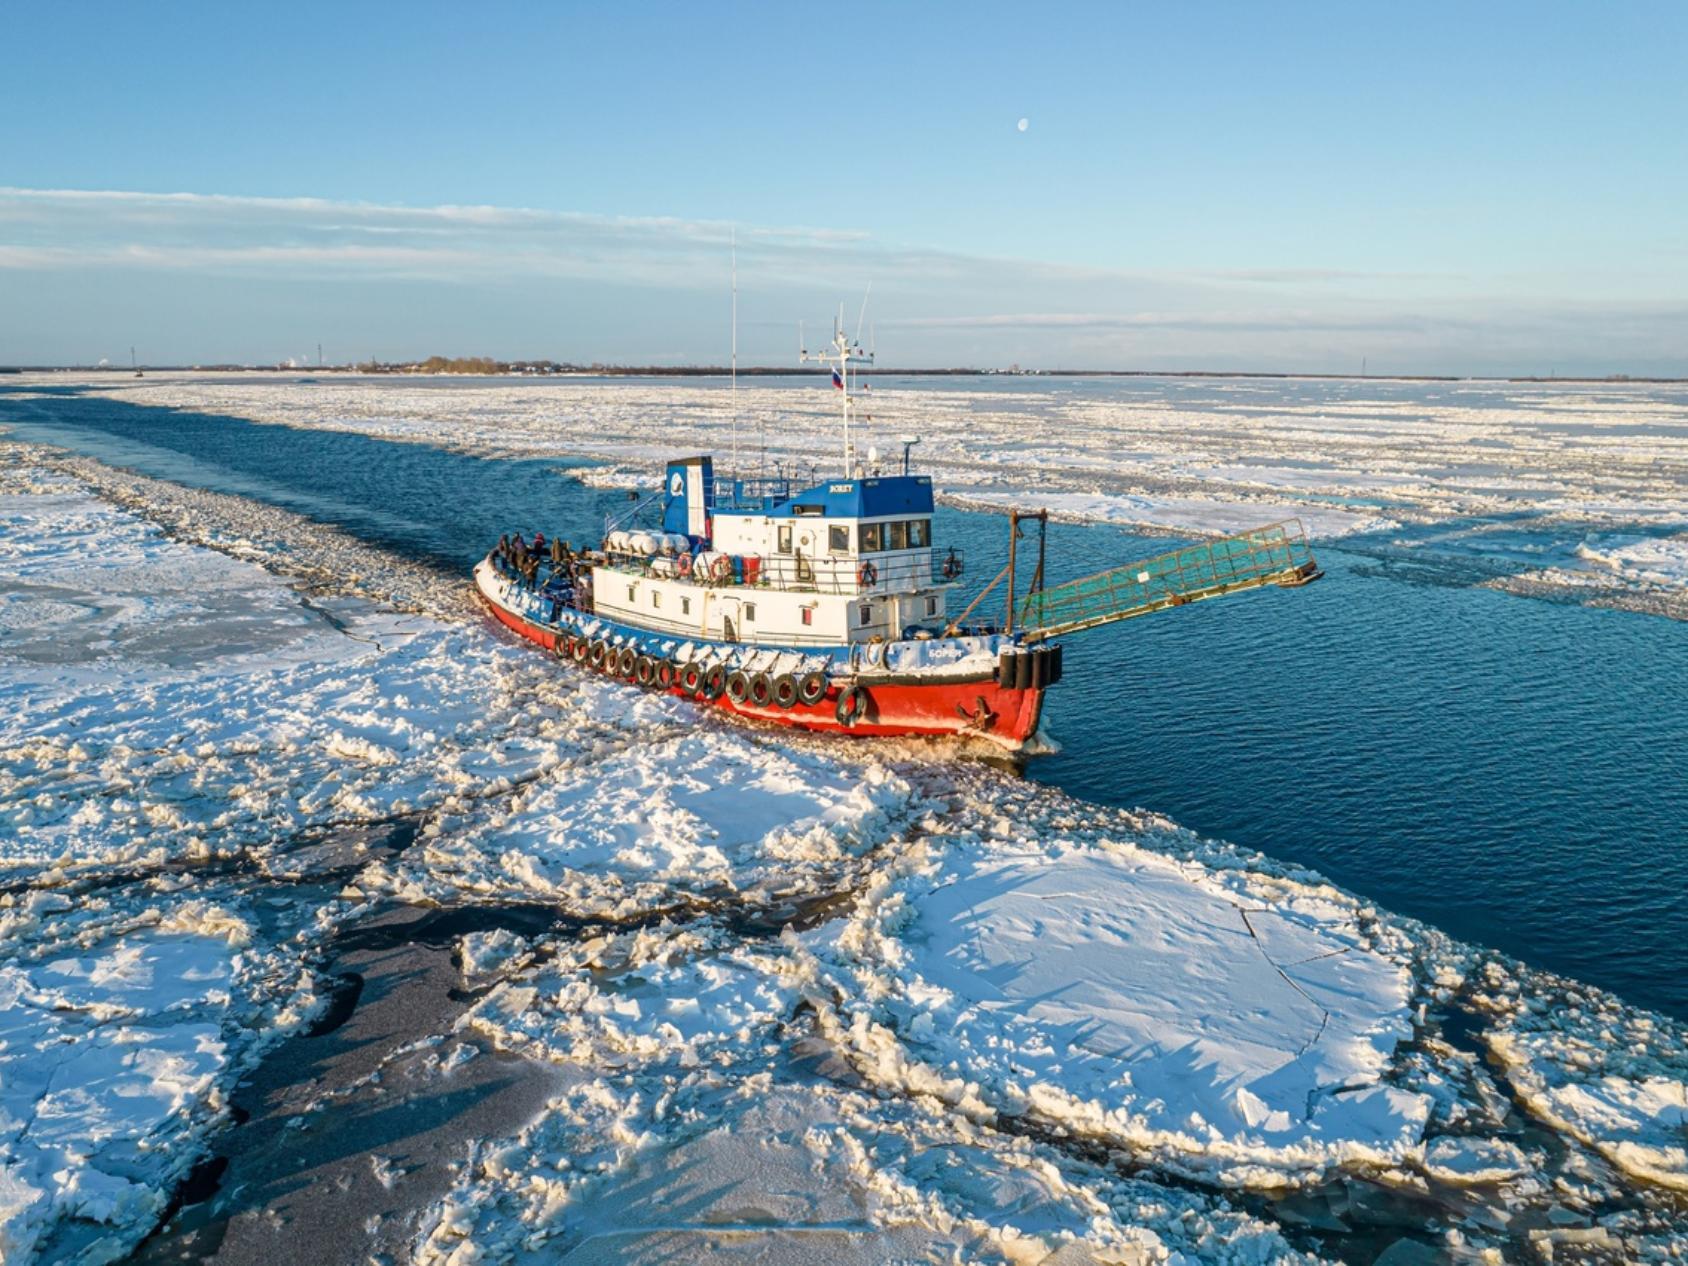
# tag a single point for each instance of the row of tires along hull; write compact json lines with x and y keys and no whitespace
{"x":710,"y":681}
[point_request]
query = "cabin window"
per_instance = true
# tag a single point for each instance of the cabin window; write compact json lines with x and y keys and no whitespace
{"x":685,"y":606}
{"x":808,"y":615}
{"x":871,"y":538}
{"x":631,"y":594}
{"x":656,"y":598}
{"x":749,"y":612}
{"x":919,"y":533}
{"x":867,"y":613}
{"x":931,"y":606}
{"x":896,"y":535}
{"x":785,"y":538}
{"x":838,"y":539}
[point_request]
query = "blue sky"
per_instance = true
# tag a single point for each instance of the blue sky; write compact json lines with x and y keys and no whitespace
{"x":1493,"y":189}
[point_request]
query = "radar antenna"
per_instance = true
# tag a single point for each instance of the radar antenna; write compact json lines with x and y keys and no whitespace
{"x":843,"y":354}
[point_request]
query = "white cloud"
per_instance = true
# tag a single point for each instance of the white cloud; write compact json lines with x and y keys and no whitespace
{"x":950,"y":308}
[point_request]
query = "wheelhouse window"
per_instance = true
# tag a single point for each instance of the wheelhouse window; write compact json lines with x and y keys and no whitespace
{"x":867,"y":613}
{"x":896,"y":535}
{"x":749,"y":612}
{"x":785,"y":538}
{"x":685,"y":606}
{"x":632,"y":593}
{"x":931,"y":606}
{"x":919,"y":533}
{"x":838,"y":539}
{"x":871,"y":536}
{"x":656,"y":598}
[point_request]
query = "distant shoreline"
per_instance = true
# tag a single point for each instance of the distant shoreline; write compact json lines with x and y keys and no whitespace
{"x":774,"y":371}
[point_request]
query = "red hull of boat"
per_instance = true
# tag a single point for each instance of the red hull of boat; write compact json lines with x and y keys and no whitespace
{"x":947,"y":707}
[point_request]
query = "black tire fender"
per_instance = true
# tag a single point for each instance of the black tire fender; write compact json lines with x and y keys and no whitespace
{"x":811,"y":688}
{"x":853,"y":705}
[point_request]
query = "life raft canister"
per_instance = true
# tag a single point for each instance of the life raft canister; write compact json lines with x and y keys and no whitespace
{"x":852,"y":706}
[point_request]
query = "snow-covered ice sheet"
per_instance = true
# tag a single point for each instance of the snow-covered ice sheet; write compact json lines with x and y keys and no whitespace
{"x":1117,"y":994}
{"x":918,"y":1008}
{"x":124,"y":1017}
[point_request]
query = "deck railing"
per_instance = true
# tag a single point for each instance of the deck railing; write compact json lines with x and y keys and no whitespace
{"x":870,"y":575}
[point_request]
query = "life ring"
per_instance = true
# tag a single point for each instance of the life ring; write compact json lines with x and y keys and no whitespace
{"x":785,"y":690}
{"x":852,"y":706}
{"x":580,"y":650}
{"x":811,"y":688}
{"x":721,"y":568}
{"x":952,"y":566}
{"x":599,"y":653}
{"x":691,"y":678}
{"x":644,"y":669}
{"x":738,"y":686}
{"x":867,"y":574}
{"x":683,"y":566}
{"x":714,"y":681}
{"x":761,"y":692}
{"x":625,"y":663}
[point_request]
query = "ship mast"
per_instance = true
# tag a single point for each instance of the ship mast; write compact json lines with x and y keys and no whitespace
{"x":844,"y":354}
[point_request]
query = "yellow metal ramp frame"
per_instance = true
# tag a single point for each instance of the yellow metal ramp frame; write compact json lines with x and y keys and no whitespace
{"x":1277,"y":554}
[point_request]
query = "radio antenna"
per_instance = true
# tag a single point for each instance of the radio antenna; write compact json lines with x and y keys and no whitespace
{"x":862,"y":315}
{"x":735,"y":353}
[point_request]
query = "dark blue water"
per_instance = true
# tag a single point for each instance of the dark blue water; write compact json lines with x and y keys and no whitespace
{"x":1512,"y":770}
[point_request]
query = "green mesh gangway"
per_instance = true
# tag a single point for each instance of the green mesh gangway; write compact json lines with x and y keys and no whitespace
{"x":1273,"y":555}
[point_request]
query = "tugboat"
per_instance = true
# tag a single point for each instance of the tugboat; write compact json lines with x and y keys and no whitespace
{"x":826,"y":607}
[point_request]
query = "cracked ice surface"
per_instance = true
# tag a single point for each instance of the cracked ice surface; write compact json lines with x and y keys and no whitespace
{"x":866,"y":1004}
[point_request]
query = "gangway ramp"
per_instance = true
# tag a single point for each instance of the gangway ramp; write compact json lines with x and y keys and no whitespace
{"x":1277,"y":554}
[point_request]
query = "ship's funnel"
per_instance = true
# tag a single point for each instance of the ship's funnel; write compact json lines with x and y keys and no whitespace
{"x":688,"y":498}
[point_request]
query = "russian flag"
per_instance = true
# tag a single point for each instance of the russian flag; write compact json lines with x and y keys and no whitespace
{"x":838,"y":380}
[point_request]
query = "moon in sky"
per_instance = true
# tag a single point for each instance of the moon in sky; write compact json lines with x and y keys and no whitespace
{"x":1023,"y":124}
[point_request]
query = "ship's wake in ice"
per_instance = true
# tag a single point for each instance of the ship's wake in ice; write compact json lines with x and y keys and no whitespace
{"x":713,"y":990}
